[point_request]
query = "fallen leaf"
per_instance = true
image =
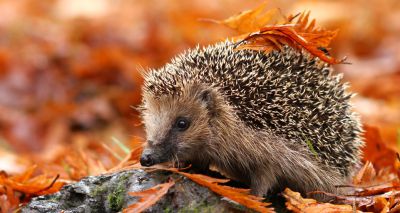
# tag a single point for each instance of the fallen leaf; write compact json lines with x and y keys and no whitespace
{"x":308,"y":30}
{"x":381,"y":205}
{"x":238,"y":195}
{"x":366,"y":174}
{"x":148,"y":197}
{"x":278,"y":35}
{"x":252,"y":20}
{"x":296,"y":203}
{"x":376,"y":150}
{"x":271,"y":30}
{"x":20,"y":188}
{"x":131,"y":159}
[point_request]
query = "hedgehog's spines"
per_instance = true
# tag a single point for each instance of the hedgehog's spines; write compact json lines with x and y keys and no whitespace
{"x":288,"y":92}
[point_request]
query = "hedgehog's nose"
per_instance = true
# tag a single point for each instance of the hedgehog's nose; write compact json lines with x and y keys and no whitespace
{"x":146,"y":160}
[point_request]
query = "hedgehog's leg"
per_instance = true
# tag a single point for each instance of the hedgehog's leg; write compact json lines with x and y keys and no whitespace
{"x":262,"y":183}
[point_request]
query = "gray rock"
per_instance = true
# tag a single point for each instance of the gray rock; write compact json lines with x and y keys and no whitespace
{"x":109,"y":193}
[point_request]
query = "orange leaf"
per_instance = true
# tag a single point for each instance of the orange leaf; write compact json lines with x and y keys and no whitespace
{"x":5,"y":203}
{"x":296,"y":203}
{"x":365,"y":175}
{"x":28,"y":185}
{"x":286,"y":34}
{"x":376,"y":150}
{"x":240,"y":196}
{"x":271,"y":30}
{"x":318,"y":37}
{"x":27,"y":174}
{"x":148,"y":197}
{"x":130,"y":159}
{"x":252,"y":20}
{"x":81,"y":164}
{"x":381,"y":205}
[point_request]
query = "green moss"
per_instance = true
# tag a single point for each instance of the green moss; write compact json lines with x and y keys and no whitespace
{"x":116,"y":197}
{"x":167,"y":210}
{"x":124,"y":177}
{"x":98,"y":191}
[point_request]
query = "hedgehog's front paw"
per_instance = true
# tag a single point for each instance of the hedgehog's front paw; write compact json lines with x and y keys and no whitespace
{"x":258,"y":192}
{"x":260,"y":186}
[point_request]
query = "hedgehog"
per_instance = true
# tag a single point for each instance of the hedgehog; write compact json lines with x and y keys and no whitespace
{"x":268,"y":120}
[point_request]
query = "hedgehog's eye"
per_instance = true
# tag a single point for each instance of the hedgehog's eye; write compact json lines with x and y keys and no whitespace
{"x":182,"y":124}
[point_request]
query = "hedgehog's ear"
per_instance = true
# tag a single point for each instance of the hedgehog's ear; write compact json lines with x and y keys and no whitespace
{"x":205,"y":96}
{"x":208,"y":98}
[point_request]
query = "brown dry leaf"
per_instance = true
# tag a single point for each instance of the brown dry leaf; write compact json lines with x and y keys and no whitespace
{"x":271,"y":30}
{"x":131,"y":159}
{"x":296,"y":203}
{"x":252,"y":20}
{"x":5,"y":204}
{"x":372,"y":191}
{"x":365,"y":175}
{"x":381,"y":205}
{"x":80,"y":164}
{"x":148,"y":197}
{"x":94,"y":166}
{"x":29,"y":184}
{"x":395,"y":208}
{"x":279,"y":35}
{"x":368,"y":182}
{"x":376,"y":150}
{"x":382,"y":189}
{"x":240,"y":196}
{"x":387,"y":202}
{"x":309,"y":31}
{"x":9,"y":199}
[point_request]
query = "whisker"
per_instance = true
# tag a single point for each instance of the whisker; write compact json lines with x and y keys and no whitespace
{"x":176,"y":160}
{"x":179,"y":166}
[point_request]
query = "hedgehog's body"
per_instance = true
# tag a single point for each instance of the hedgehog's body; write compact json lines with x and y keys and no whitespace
{"x":272,"y":120}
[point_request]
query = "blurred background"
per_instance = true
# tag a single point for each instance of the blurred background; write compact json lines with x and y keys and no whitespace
{"x":69,"y":76}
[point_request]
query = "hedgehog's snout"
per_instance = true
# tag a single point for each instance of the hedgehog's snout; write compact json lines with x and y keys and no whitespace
{"x":146,"y":159}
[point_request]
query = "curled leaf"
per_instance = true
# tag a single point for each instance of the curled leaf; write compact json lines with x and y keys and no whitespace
{"x":238,"y":195}
{"x":296,"y":203}
{"x":252,"y":20}
{"x":279,"y":35}
{"x":271,"y":30}
{"x":148,"y":197}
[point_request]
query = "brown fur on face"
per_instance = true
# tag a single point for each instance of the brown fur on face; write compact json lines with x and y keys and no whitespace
{"x":168,"y":143}
{"x":217,"y":137}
